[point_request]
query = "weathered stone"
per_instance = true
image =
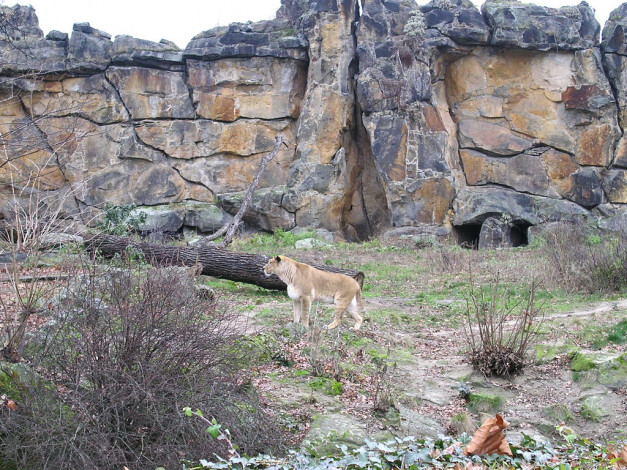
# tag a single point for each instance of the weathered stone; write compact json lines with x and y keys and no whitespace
{"x":458,"y":19}
{"x":23,"y":56}
{"x":620,"y":158}
{"x":425,"y":201}
{"x":596,"y":145}
{"x":614,"y":220}
{"x":310,"y":244}
{"x":613,"y":37}
{"x":149,"y":93}
{"x":258,"y":87}
{"x":585,"y":188}
{"x":267,"y":39}
{"x":610,"y":368}
{"x":20,"y":22}
{"x":158,"y":184}
{"x":264,"y":212}
{"x":616,"y":66}
{"x":383,"y":127}
{"x":205,"y":217}
{"x":56,"y":239}
{"x":128,"y":50}
{"x":92,"y":98}
{"x":184,"y":139}
{"x":492,"y":138}
{"x":164,"y":219}
{"x":523,"y":172}
{"x":615,"y":186}
{"x":349,"y":432}
{"x":535,"y":27}
{"x":474,"y":205}
{"x":22,"y":46}
{"x":495,"y":233}
{"x":30,"y":162}
{"x":388,"y":134}
{"x":416,"y":424}
{"x":89,"y":49}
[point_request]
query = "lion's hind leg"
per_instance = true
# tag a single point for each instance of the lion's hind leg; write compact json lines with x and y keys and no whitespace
{"x":341,"y":304}
{"x":355,"y":308}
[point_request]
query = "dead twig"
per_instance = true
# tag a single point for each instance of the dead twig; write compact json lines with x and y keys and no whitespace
{"x":228,"y":230}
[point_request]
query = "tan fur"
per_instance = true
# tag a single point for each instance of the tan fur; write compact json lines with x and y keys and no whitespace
{"x":306,"y":284}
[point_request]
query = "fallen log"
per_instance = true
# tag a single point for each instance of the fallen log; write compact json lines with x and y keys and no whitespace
{"x":214,"y":260}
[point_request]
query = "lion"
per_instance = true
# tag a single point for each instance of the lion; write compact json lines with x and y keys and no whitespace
{"x":306,"y":284}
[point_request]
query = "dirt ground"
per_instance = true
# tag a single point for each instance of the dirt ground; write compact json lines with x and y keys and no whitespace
{"x":428,"y":362}
{"x":402,"y":373}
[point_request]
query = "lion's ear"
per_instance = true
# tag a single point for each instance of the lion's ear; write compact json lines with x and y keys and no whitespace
{"x":277,"y":258}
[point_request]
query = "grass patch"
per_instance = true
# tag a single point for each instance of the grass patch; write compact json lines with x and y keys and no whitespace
{"x":484,"y":403}
{"x":616,"y":334}
{"x":327,"y":386}
{"x":279,"y":239}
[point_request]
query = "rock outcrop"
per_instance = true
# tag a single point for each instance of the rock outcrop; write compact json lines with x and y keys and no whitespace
{"x":439,"y":117}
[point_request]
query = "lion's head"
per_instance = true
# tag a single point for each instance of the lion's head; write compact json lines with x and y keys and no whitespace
{"x":273,"y":266}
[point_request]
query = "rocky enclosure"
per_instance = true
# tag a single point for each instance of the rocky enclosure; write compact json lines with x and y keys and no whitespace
{"x":438,"y":118}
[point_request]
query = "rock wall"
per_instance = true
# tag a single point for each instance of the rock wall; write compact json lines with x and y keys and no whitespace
{"x":397,"y":117}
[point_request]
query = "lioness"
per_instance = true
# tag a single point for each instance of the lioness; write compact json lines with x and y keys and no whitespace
{"x":306,"y":284}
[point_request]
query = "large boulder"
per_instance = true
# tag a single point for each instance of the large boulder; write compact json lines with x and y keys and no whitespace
{"x":473,"y":206}
{"x":89,"y":49}
{"x":460,"y":20}
{"x":495,"y":233}
{"x":517,"y":24}
{"x":128,"y":50}
{"x":264,"y":39}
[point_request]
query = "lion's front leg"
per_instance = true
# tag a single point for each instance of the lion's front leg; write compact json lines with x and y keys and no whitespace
{"x":297,"y":310}
{"x":306,"y":308}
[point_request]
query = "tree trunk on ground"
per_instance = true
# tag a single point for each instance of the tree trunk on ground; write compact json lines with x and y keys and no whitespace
{"x":215,"y":261}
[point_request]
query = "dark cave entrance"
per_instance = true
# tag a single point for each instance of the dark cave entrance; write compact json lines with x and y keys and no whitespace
{"x":469,"y":235}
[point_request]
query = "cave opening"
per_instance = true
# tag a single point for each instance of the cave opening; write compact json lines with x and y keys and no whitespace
{"x":469,"y":235}
{"x":520,"y":234}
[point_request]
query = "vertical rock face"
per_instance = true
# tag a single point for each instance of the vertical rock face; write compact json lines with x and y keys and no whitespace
{"x":440,"y":116}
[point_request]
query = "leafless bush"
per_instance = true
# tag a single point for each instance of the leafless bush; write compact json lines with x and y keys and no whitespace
{"x":449,"y":259}
{"x":31,"y":215}
{"x":126,"y":350}
{"x":500,"y":327}
{"x":583,"y":259}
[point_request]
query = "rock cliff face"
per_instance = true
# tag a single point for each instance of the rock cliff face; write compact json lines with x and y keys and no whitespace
{"x":437,"y":117}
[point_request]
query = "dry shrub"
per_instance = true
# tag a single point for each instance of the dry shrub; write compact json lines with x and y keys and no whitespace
{"x":501,"y":327}
{"x":582,"y":259}
{"x":449,"y":259}
{"x":126,"y":350}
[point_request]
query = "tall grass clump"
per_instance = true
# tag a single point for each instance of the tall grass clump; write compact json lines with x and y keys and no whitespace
{"x":501,"y":327}
{"x":584,"y":260}
{"x":125,"y":350}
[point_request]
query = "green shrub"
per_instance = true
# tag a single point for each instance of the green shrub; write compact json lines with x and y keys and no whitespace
{"x":120,"y":220}
{"x":127,"y":348}
{"x":327,"y":386}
